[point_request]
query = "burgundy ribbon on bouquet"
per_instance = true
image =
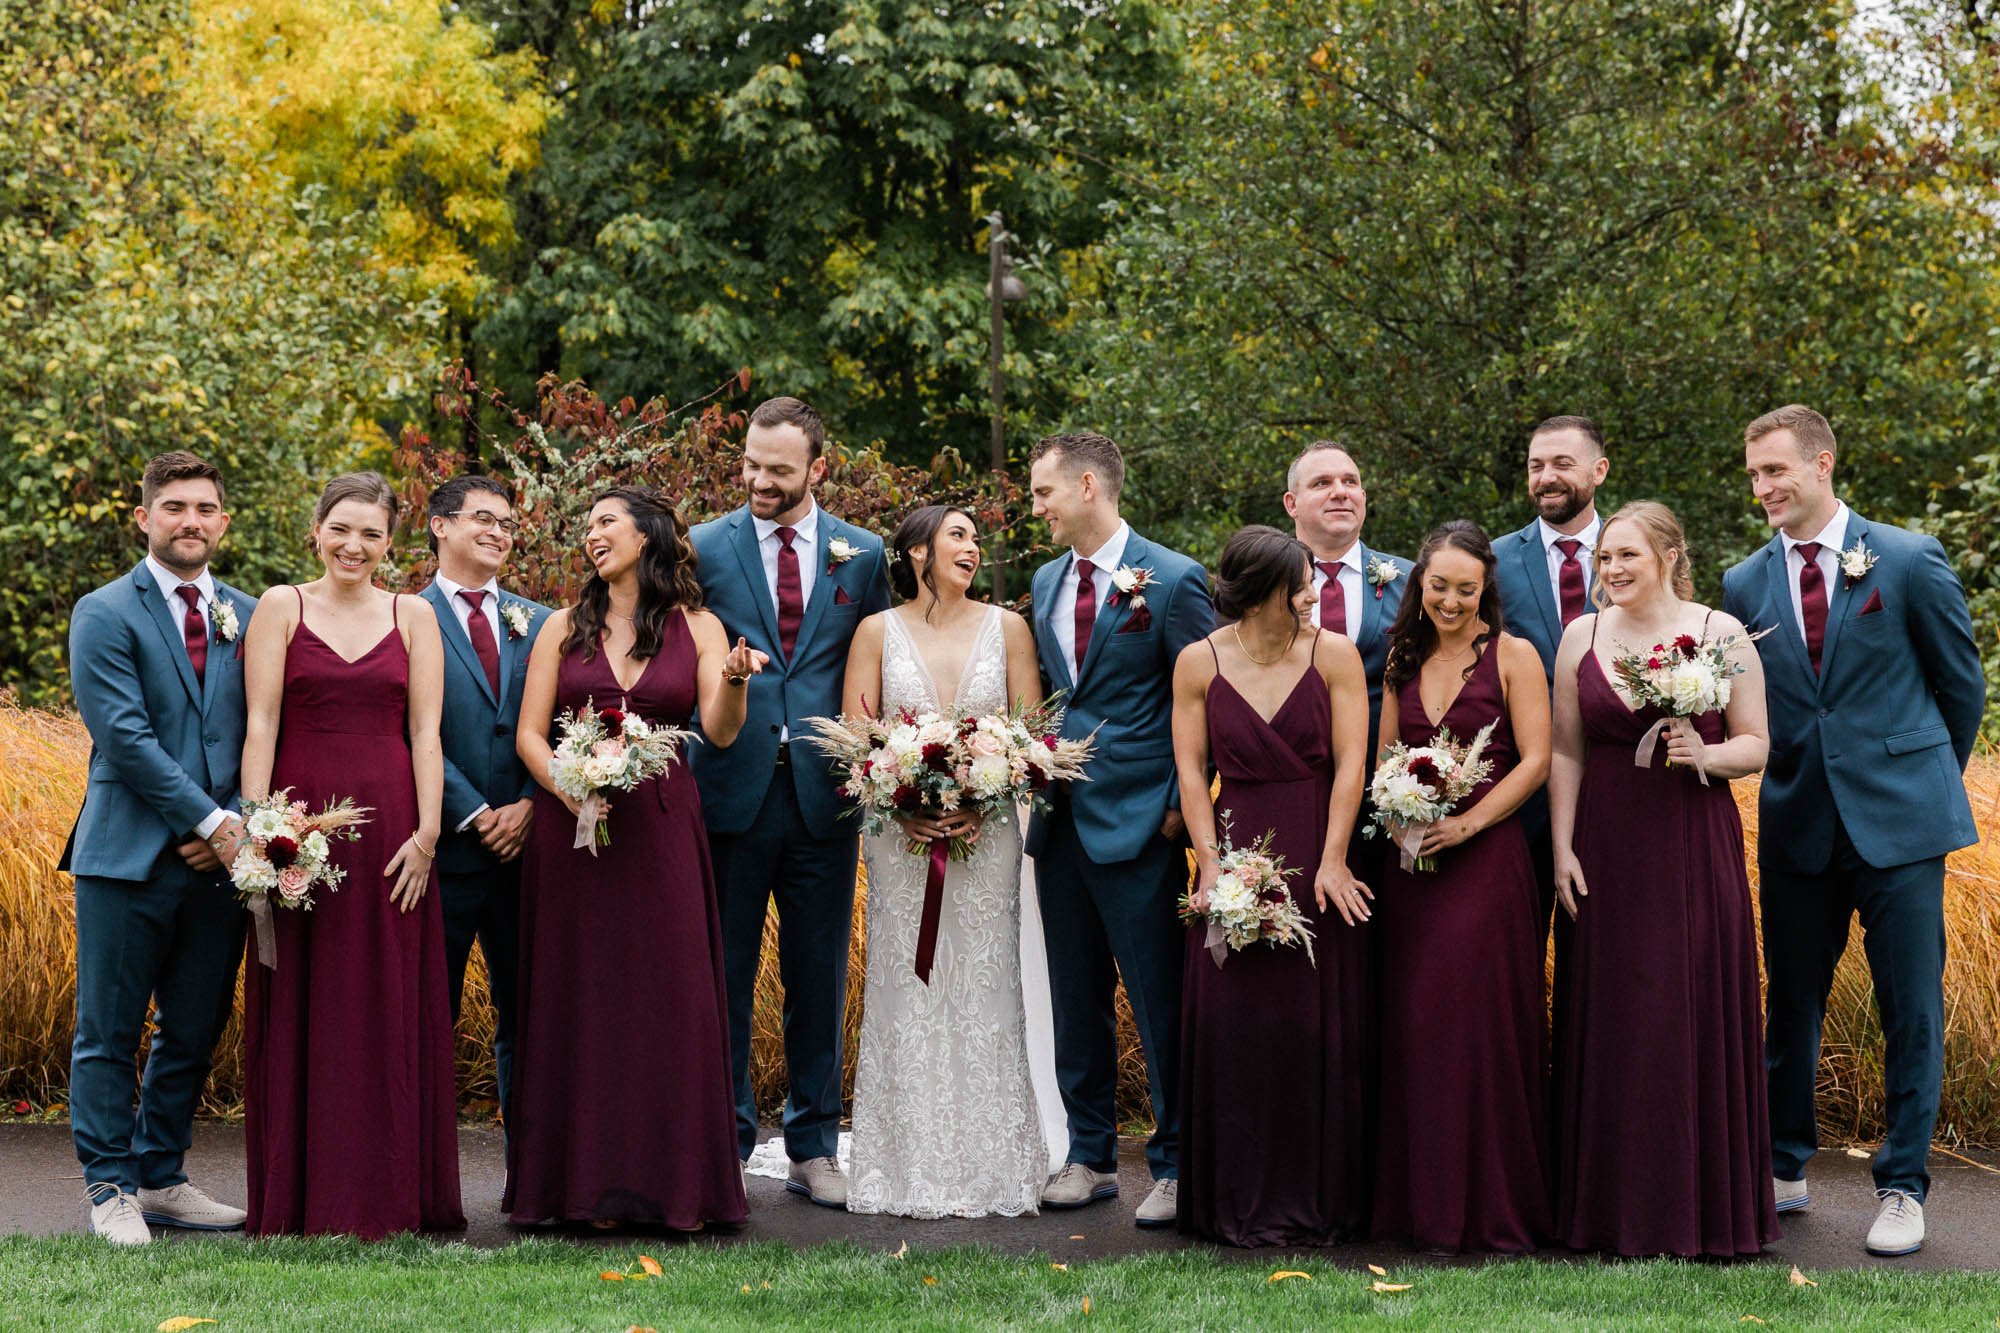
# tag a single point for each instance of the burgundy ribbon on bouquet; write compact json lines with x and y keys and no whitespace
{"x":1643,"y":756}
{"x":927,"y":926}
{"x":267,"y":935}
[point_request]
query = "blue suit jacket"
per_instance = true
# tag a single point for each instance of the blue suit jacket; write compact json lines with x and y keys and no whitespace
{"x":477,"y":729}
{"x":164,"y":751}
{"x":1526,"y":600}
{"x":1379,"y":605}
{"x":733,"y":781}
{"x":1880,"y":736}
{"x":1126,"y":695}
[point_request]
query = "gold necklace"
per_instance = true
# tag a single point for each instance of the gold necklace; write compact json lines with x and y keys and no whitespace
{"x":1237,"y":630}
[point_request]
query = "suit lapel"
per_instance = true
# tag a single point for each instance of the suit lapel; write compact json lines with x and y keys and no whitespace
{"x":215,"y":646}
{"x":823,"y":584}
{"x":1778,"y":597}
{"x":744,"y":538}
{"x":1371,"y":606}
{"x":152,"y":597}
{"x":1046,"y":642}
{"x":455,"y":636}
{"x":510,"y":654}
{"x":1535,"y":563}
{"x":1839,"y":594}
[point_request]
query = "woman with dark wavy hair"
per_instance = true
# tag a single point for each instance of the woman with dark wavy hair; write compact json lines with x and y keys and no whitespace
{"x":622,"y":1108}
{"x":1461,"y":1159}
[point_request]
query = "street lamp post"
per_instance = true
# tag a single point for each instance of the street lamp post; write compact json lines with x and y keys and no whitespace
{"x":1001,"y":287}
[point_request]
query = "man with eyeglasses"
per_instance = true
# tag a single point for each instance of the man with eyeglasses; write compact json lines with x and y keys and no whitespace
{"x":487,"y":793}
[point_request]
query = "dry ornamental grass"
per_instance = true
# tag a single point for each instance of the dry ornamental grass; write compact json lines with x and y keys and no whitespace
{"x":42,"y":764}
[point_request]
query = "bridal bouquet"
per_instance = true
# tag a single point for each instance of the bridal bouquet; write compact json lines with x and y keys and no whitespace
{"x":607,"y":750}
{"x":1417,"y":785}
{"x":1685,"y":678}
{"x":286,"y":856}
{"x":1250,"y":903}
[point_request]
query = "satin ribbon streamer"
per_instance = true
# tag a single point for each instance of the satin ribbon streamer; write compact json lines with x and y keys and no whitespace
{"x":1217,"y":943}
{"x":587,"y":816}
{"x":267,"y":935}
{"x":927,"y":926}
{"x":1409,"y":838}
{"x":1643,"y":756}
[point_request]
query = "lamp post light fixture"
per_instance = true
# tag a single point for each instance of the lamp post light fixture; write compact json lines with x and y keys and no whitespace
{"x":1001,"y":287}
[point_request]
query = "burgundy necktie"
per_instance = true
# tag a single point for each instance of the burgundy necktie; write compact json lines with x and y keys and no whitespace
{"x":791,"y":601}
{"x":1332,"y":599}
{"x":1812,"y":601}
{"x":481,"y":633}
{"x":194,"y":629}
{"x":1569,"y":578}
{"x":1086,"y":609}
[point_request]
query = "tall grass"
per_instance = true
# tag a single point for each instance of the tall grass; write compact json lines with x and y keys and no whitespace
{"x":41,"y":785}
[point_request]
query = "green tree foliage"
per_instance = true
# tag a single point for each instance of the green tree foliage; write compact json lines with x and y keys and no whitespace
{"x":799,"y":186}
{"x":1422,"y":226}
{"x":156,"y":298}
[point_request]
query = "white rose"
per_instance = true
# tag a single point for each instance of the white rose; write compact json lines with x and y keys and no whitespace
{"x":1693,"y":687}
{"x":266,"y":824}
{"x":315,"y":845}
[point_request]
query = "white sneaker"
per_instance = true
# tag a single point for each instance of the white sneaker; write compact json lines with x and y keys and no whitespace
{"x":1076,"y":1185}
{"x":1899,"y":1226}
{"x":184,"y":1205}
{"x":114,"y":1215}
{"x":1162,"y":1207}
{"x":1791,"y":1194}
{"x":820,"y":1180}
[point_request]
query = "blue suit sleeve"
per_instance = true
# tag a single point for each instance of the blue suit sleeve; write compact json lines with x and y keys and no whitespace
{"x":104,"y":675}
{"x":1941,"y":625}
{"x":461,"y":798}
{"x":876,"y":596}
{"x":1190,"y":615}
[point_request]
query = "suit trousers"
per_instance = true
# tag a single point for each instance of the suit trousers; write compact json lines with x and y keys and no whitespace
{"x":1100,"y":923}
{"x":175,"y":941}
{"x":811,"y":881}
{"x":1805,"y":932}
{"x":486,"y":905}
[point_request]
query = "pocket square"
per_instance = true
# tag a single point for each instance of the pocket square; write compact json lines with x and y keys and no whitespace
{"x":840,"y":597}
{"x":1138,"y":622}
{"x":1874,"y":603}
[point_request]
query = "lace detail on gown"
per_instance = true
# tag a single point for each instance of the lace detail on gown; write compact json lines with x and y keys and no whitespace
{"x":945,"y":1118}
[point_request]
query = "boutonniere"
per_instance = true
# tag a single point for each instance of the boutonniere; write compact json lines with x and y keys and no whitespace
{"x":1855,"y":562}
{"x":516,"y":617}
{"x":838,"y":552}
{"x":1382,"y":573}
{"x":222,"y":614}
{"x":1132,"y":583}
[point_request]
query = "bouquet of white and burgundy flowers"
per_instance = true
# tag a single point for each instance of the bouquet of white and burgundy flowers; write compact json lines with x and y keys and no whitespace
{"x":1685,"y":678}
{"x":607,"y":750}
{"x":1250,"y":903}
{"x":1417,"y":785}
{"x":286,"y":856}
{"x":928,"y":764}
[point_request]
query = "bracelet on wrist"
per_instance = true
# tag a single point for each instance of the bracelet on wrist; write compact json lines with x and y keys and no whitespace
{"x":429,"y":853}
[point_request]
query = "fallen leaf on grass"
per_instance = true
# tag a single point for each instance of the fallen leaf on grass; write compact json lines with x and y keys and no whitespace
{"x":1749,"y":1319}
{"x":1800,"y":1279}
{"x":1862,"y":1153}
{"x":746,"y":1288}
{"x":1086,"y":1305}
{"x":610,"y":1276}
{"x":1390,"y":1286}
{"x":929,"y":1281}
{"x":180,"y":1322}
{"x":1378,"y":1270}
{"x":642,"y":1328}
{"x":1290,"y":1272}
{"x":1060,"y":1268}
{"x":652,"y":1266}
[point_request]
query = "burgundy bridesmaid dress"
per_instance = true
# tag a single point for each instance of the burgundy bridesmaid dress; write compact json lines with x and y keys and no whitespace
{"x":1273,"y":1070}
{"x":350,"y":1118}
{"x":1665,"y":1143}
{"x":622,"y":1106}
{"x":1461,"y":1159}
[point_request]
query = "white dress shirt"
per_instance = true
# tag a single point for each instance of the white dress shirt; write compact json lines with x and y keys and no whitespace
{"x":1830,"y":539}
{"x":805,"y":542}
{"x":1585,"y":556}
{"x":488,"y":607}
{"x":169,"y":584}
{"x":1104,"y":560}
{"x":1352,"y":577}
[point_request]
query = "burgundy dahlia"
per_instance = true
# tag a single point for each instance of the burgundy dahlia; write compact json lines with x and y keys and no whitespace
{"x":281,"y":852}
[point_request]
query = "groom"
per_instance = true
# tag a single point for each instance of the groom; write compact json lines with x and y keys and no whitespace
{"x":156,"y":667}
{"x":794,"y":581}
{"x":1875,"y":693}
{"x":1110,"y":861}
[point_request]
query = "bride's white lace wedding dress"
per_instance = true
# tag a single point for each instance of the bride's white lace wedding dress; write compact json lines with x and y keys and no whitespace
{"x":945,"y":1118}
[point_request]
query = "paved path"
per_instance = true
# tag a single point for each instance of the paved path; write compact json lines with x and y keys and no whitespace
{"x":41,"y":1193}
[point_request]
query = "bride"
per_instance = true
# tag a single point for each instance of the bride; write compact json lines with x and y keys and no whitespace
{"x":945,"y":1117}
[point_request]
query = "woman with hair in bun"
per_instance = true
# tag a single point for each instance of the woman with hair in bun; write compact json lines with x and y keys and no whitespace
{"x":945,"y":1118}
{"x":350,"y":1120}
{"x":1273,"y":1046}
{"x":622,"y":1110}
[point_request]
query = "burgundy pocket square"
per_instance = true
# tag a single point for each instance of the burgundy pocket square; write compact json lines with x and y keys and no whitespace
{"x":1874,"y":603}
{"x":1140,"y":621}
{"x":840,"y":597}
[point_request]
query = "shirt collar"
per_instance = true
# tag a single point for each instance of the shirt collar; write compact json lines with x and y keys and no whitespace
{"x":1829,"y":537}
{"x":1352,"y":559}
{"x":807,"y":528}
{"x":1108,"y":556}
{"x":451,"y":590}
{"x":1588,"y":536}
{"x":168,"y":580}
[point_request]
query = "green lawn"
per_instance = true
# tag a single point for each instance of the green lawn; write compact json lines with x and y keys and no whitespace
{"x":73,"y":1283}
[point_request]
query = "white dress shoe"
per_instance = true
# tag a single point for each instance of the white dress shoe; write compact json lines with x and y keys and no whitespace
{"x":1076,"y":1185}
{"x":1899,"y":1225}
{"x":1791,"y":1194}
{"x":819,"y":1179}
{"x":1162,"y":1207}
{"x":184,"y":1205}
{"x":114,"y":1215}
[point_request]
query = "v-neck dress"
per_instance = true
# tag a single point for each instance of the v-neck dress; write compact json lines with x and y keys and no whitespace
{"x":1274,"y":1091}
{"x":1462,"y":1155}
{"x":1664,"y":1138}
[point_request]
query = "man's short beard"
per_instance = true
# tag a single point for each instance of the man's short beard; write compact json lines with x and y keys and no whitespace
{"x":164,"y":553}
{"x":1569,"y":504}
